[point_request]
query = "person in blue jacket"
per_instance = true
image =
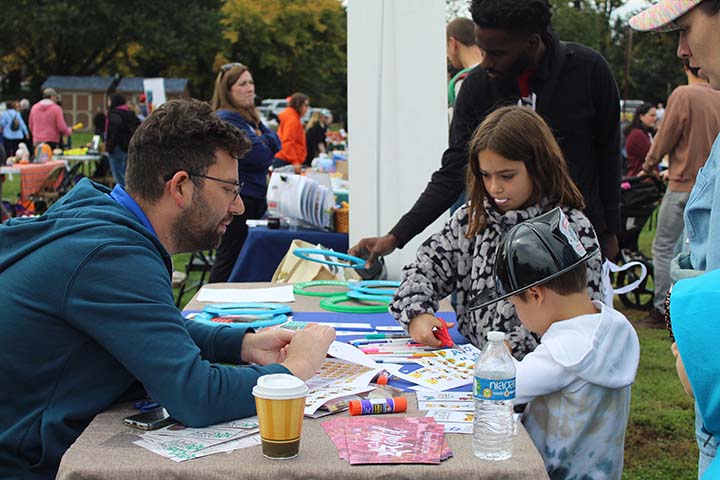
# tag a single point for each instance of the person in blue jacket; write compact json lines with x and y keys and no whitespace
{"x":234,"y":102}
{"x":87,"y":301}
{"x":698,"y":24}
{"x":14,"y":130}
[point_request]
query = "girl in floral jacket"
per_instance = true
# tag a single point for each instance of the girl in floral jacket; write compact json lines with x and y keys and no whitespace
{"x":516,"y":172}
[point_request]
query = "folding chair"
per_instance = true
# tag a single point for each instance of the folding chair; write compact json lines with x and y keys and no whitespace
{"x":199,"y":261}
{"x":70,"y":179}
{"x":48,"y":191}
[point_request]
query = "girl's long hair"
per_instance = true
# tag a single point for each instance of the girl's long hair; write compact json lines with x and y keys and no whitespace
{"x":519,"y":134}
{"x":222,"y":100}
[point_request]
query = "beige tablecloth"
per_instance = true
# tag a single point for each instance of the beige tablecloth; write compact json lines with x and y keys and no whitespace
{"x":105,"y":450}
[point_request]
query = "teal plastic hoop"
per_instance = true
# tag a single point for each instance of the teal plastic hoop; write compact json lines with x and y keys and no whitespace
{"x":303,"y":253}
{"x":332,"y":304}
{"x":366,"y":286}
{"x":252,"y":308}
{"x":358,"y":295}
{"x":300,"y":287}
{"x":266,"y":321}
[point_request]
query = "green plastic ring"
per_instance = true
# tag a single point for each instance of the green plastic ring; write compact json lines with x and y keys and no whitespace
{"x":332,"y":304}
{"x":299,"y":288}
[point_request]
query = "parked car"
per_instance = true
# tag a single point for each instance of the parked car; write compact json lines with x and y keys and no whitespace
{"x":274,"y":106}
{"x":267,"y":117}
{"x":627,"y":109}
{"x":312,"y":110}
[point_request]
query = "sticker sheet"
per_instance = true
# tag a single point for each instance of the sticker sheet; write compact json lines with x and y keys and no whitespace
{"x":457,"y":406}
{"x":180,"y":443}
{"x":450,"y":368}
{"x":444,"y":396}
{"x":337,"y":378}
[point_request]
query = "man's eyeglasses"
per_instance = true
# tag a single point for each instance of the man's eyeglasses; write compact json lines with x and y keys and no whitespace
{"x":235,"y":191}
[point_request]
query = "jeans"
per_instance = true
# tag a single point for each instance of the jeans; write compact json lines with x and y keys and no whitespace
{"x":670,"y":226}
{"x":708,"y":448}
{"x":118,"y":161}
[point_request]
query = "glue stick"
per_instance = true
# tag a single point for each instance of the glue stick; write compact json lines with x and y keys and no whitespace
{"x":377,"y":405}
{"x":381,"y":379}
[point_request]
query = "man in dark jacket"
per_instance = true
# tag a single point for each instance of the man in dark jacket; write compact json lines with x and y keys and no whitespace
{"x":570,"y":85}
{"x":122,"y":123}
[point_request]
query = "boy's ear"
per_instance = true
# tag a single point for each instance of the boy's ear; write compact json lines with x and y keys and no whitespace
{"x":535,"y":295}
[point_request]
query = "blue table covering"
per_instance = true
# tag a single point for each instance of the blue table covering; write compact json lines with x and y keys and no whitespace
{"x":265,"y":248}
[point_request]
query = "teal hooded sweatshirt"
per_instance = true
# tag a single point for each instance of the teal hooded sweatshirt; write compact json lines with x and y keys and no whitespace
{"x":86,"y":309}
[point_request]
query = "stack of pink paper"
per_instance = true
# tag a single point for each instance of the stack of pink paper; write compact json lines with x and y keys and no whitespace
{"x":363,"y":440}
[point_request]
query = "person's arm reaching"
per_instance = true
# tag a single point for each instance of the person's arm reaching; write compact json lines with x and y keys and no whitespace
{"x":445,"y":184}
{"x":137,"y":323}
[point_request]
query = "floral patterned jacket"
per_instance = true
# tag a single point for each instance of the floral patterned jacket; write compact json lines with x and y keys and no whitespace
{"x":450,"y":262}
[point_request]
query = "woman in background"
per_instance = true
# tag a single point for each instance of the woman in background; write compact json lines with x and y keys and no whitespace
{"x":234,"y":102}
{"x":638,"y":137}
{"x":315,"y":136}
{"x":291,"y":133}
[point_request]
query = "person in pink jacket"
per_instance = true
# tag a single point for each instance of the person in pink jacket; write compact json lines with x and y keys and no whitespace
{"x":46,"y":120}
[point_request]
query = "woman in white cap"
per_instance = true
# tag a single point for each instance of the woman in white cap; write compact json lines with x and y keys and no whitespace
{"x":699,"y":24}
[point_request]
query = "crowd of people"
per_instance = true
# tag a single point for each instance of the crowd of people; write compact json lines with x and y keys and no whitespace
{"x":522,"y":254}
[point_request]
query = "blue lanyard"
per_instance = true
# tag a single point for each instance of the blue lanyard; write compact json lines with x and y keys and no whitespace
{"x":123,"y":198}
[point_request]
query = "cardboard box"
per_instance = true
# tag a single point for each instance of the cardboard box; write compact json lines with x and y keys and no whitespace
{"x":341,"y":166}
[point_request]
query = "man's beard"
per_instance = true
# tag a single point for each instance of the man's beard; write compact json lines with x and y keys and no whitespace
{"x":518,"y":66}
{"x":192,"y":231}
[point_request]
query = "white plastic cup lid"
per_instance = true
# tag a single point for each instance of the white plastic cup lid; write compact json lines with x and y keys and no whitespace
{"x":280,"y":386}
{"x":496,"y":336}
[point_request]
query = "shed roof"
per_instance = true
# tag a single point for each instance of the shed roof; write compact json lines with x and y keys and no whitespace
{"x":135,"y":84}
{"x":78,"y":83}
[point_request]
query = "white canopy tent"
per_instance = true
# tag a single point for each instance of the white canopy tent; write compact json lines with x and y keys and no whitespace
{"x":397,"y":112}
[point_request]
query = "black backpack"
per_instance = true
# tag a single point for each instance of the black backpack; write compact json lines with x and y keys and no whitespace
{"x":15,"y":124}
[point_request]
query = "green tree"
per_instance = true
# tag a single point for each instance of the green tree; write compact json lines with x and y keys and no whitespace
{"x":290,"y":46}
{"x":104,"y":37}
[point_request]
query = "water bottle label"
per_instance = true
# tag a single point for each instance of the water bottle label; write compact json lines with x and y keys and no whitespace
{"x":486,"y":389}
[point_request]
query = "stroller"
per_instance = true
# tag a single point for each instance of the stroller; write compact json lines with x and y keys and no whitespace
{"x":639,"y":196}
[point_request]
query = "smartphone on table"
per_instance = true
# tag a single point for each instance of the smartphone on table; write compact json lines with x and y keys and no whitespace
{"x":150,"y":420}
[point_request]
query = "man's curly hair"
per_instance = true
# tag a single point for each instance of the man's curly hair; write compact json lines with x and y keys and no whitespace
{"x":528,"y":16}
{"x":178,"y":135}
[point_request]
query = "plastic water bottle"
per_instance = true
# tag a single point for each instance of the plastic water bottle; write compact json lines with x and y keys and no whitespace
{"x":494,"y":392}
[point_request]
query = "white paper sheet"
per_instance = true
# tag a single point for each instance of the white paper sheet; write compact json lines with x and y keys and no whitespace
{"x":344,"y":351}
{"x":281,"y":294}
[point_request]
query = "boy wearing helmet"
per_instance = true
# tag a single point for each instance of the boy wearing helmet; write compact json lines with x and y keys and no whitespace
{"x":577,"y":381}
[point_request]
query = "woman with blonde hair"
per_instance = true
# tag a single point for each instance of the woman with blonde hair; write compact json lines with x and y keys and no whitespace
{"x":234,"y":102}
{"x":315,"y":131}
{"x":516,"y":172}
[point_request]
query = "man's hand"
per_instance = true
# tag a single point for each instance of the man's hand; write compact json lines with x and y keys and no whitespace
{"x":267,"y":346}
{"x":609,"y":246}
{"x":421,"y":329}
{"x":307,"y":349}
{"x":376,"y":246}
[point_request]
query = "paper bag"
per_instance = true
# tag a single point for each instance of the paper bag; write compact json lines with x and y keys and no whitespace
{"x":293,"y":269}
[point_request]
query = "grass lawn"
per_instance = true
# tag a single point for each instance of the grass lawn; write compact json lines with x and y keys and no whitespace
{"x":660,"y":438}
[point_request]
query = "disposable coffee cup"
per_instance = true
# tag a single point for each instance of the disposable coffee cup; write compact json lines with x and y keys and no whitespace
{"x":280,"y":402}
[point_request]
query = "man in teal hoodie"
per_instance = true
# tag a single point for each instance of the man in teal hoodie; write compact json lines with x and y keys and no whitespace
{"x":87,"y":302}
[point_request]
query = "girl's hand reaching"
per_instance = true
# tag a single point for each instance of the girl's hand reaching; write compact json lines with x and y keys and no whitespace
{"x":422,"y":329}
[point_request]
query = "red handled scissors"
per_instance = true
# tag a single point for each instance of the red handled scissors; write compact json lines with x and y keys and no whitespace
{"x":442,"y":334}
